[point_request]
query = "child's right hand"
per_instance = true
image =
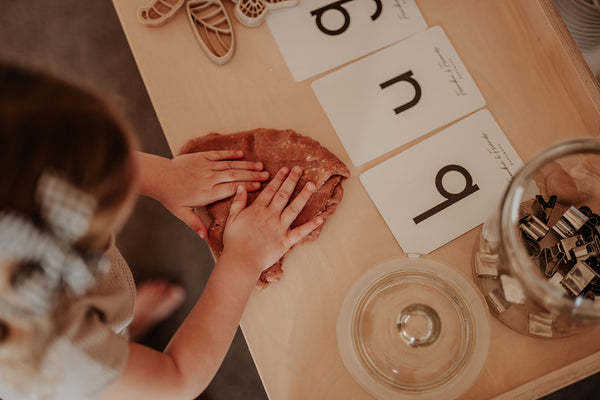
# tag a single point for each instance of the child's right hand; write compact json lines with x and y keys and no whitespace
{"x":260,"y":234}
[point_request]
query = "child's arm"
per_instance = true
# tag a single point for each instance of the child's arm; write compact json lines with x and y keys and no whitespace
{"x":255,"y":237}
{"x":196,"y":179}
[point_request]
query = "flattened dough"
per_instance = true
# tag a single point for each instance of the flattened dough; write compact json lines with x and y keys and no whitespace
{"x":276,"y":149}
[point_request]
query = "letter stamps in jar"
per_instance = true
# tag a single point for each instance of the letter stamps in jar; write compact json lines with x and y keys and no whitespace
{"x":397,"y":95}
{"x":444,"y":186}
{"x":318,"y":35}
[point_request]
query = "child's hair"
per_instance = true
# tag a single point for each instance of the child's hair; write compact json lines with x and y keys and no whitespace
{"x":50,"y":126}
{"x":46,"y":124}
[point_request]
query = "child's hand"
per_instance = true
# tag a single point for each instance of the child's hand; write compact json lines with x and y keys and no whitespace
{"x":197,"y":179}
{"x":260,"y":234}
{"x":215,"y":175}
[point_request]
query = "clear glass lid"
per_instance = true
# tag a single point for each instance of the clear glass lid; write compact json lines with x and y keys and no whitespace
{"x":413,"y":328}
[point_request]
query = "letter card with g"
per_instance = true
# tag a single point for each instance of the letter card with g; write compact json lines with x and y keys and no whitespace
{"x":397,"y":95}
{"x":318,"y":35}
{"x":444,"y":186}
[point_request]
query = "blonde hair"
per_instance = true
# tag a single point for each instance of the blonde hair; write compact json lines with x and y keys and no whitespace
{"x":47,"y":124}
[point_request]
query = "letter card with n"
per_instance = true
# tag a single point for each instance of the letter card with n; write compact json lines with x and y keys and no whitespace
{"x":318,"y":35}
{"x":444,"y":186}
{"x":397,"y":95}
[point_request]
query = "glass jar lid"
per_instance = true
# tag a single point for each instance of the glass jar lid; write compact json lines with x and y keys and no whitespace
{"x":413,"y":328}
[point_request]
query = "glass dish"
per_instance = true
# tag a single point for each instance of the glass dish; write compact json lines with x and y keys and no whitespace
{"x":412,"y":327}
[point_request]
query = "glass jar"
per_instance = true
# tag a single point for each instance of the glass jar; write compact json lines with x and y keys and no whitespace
{"x":536,"y":260}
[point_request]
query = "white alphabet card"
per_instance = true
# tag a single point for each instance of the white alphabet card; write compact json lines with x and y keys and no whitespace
{"x":444,"y":186}
{"x":397,"y":95}
{"x":318,"y":35}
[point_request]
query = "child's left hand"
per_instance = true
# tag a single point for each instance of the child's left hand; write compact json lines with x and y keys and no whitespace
{"x":197,"y":179}
{"x":258,"y":235}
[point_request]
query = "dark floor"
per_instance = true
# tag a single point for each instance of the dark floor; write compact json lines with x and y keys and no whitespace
{"x":83,"y":41}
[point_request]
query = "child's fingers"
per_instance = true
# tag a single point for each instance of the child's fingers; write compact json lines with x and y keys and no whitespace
{"x":286,"y":189}
{"x":265,"y":197}
{"x":194,"y":221}
{"x":239,"y":201}
{"x":244,"y":165}
{"x":225,"y":190}
{"x":297,"y":234}
{"x":241,"y":175}
{"x":218,"y":155}
{"x":293,"y":209}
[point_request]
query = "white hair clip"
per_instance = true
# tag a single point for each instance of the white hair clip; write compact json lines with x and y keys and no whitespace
{"x":65,"y":209}
{"x":47,"y":259}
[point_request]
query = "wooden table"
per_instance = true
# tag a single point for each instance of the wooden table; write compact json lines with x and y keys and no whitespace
{"x":536,"y":85}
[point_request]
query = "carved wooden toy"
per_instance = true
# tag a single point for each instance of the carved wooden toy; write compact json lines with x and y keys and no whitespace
{"x":212,"y":28}
{"x":253,"y":12}
{"x":158,"y":12}
{"x":209,"y":20}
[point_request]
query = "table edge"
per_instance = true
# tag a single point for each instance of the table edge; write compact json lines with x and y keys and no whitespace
{"x":584,"y":73}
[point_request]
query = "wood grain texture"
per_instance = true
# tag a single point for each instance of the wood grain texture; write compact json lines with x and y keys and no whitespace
{"x":537,"y":87}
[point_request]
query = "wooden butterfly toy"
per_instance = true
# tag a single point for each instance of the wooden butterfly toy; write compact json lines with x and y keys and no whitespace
{"x":210,"y":22}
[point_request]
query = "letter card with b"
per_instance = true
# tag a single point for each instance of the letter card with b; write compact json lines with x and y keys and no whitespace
{"x":444,"y":186}
{"x":397,"y":95}
{"x":318,"y":35}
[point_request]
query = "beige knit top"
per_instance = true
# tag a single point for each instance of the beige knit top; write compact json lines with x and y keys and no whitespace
{"x":92,"y":350}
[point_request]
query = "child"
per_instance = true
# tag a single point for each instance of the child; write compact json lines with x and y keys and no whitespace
{"x":68,"y":174}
